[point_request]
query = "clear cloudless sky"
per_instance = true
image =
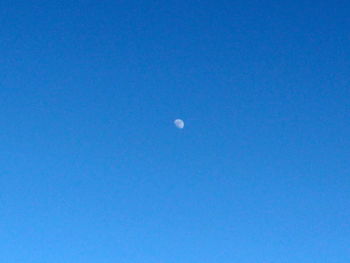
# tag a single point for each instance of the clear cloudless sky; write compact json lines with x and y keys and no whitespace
{"x":92,"y":168}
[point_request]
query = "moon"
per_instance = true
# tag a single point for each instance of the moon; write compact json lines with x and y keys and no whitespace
{"x":179,"y":123}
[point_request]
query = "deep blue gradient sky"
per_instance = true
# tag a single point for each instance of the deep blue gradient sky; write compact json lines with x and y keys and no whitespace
{"x":92,"y":168}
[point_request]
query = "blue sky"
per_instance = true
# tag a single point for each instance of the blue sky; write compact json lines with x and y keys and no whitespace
{"x":92,"y":168}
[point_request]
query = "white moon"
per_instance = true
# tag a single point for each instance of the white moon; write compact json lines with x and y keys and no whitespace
{"x":179,"y":123}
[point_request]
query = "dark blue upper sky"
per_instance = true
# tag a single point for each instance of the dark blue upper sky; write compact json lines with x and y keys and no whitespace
{"x":92,"y":168}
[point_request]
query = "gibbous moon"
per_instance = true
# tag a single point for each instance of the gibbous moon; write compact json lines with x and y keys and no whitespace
{"x":179,"y":123}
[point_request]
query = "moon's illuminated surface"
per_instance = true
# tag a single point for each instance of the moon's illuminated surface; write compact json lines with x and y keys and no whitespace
{"x":179,"y":123}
